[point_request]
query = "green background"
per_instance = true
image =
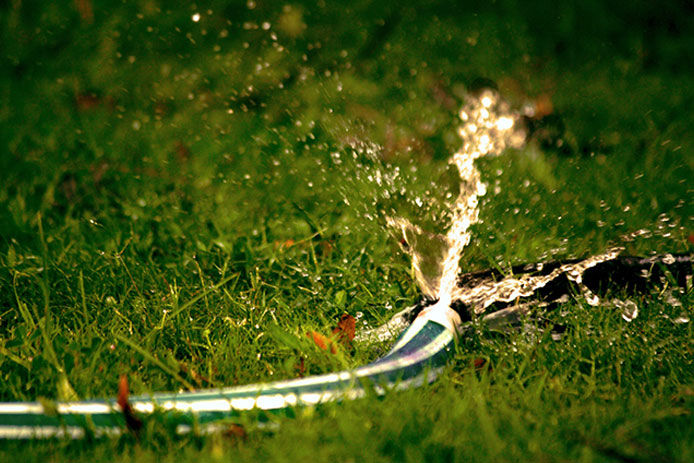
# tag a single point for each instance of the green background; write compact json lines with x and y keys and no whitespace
{"x":186,"y":191}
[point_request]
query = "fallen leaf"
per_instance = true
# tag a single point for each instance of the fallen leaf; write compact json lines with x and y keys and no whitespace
{"x":346,"y":329}
{"x":481,"y":364}
{"x":322,"y":341}
{"x":87,"y":101}
{"x":343,"y":333}
{"x":131,"y":421}
{"x":123,"y":392}
{"x":300,"y":368}
{"x":543,"y":106}
{"x":236,"y":431}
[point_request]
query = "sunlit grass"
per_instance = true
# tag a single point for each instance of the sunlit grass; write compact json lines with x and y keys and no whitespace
{"x":173,"y":212}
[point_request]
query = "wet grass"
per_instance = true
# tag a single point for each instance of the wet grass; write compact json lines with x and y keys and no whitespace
{"x":180,"y":203}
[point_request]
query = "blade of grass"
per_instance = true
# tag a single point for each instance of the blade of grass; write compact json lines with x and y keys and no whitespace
{"x":150,"y":357}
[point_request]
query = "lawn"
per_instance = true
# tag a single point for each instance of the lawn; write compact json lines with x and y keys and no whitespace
{"x":188,"y":191}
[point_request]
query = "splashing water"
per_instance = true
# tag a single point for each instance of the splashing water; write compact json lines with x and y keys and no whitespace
{"x":488,"y":130}
{"x":489,"y":127}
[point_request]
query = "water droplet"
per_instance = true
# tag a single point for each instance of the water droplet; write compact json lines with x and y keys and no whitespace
{"x":629,"y":309}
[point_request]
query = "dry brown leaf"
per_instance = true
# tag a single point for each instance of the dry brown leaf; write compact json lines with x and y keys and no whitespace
{"x":322,"y":341}
{"x":300,"y":368}
{"x":543,"y":106}
{"x":343,"y":334}
{"x":235,"y":431}
{"x":346,"y":329}
{"x":132,"y":422}
{"x":481,"y":364}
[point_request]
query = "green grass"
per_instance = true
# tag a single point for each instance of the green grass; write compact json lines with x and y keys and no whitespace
{"x":172,"y":209}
